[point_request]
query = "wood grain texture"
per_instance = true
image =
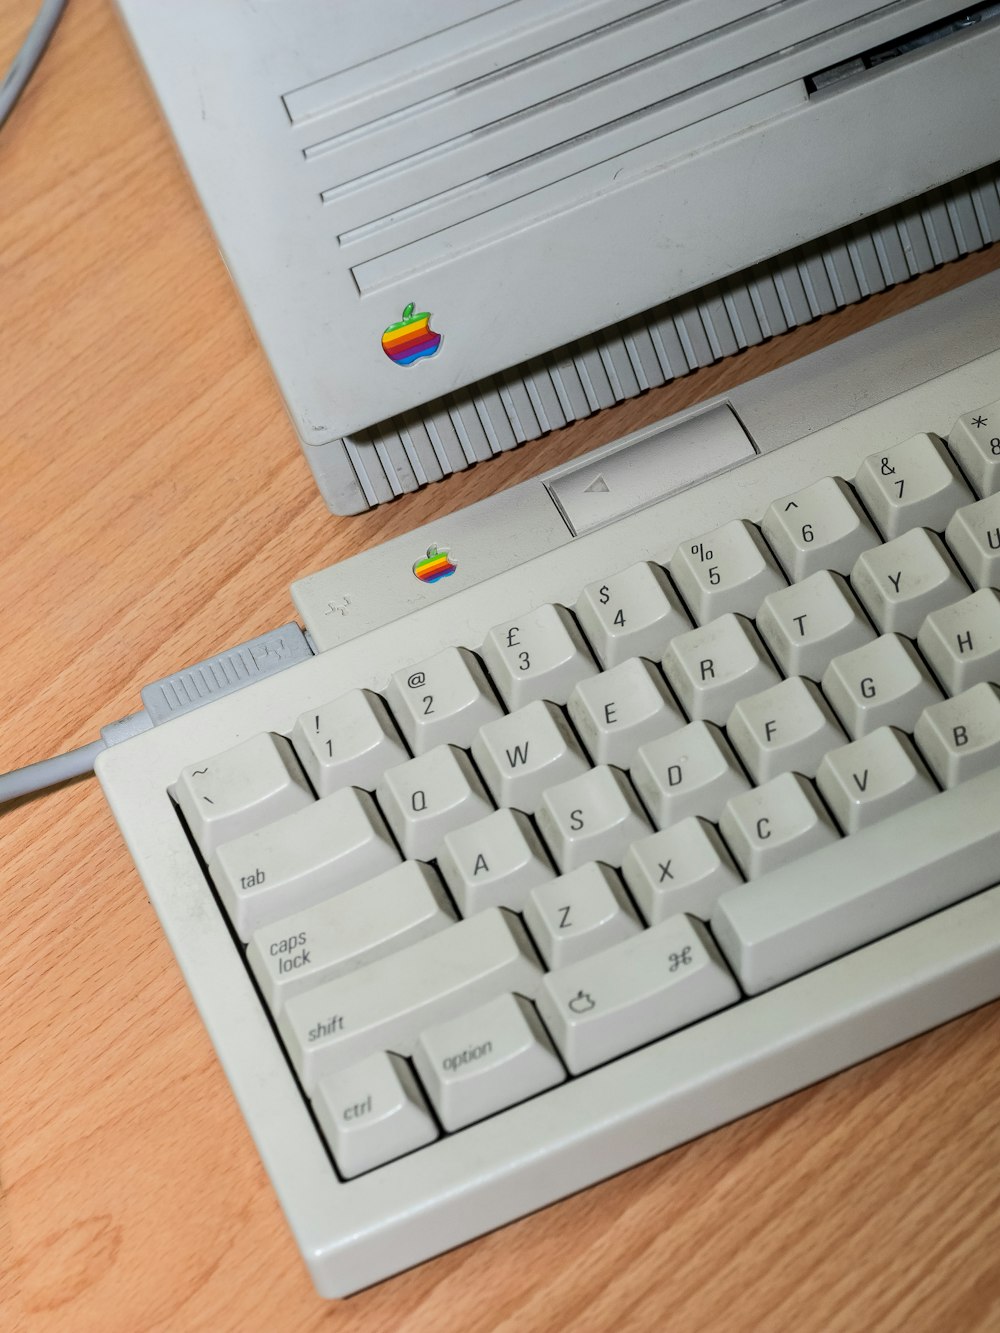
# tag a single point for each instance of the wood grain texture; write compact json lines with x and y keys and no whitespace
{"x":154,"y":508}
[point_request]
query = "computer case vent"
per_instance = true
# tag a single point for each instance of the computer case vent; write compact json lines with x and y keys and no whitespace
{"x":624,"y":360}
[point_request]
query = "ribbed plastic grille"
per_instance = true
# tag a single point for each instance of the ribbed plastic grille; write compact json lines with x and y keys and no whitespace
{"x":671,"y":340}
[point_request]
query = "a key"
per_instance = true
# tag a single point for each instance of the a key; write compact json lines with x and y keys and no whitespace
{"x":591,"y":818}
{"x":962,"y":641}
{"x":541,"y":655}
{"x":429,"y":796}
{"x":443,"y":700}
{"x":820,"y":527}
{"x":712,"y":667}
{"x":522,"y":754}
{"x":493,"y":862}
{"x":973,"y":534}
{"x":486,"y":1060}
{"x":327,"y":847}
{"x":347,"y":743}
{"x":807,"y":623}
{"x":915,"y":484}
{"x":680,"y":869}
{"x":659,"y":980}
{"x":631,"y":614}
{"x":373,"y":1113}
{"x":616,"y":711}
{"x":905,"y":867}
{"x":237,"y":791}
{"x":788,"y":727}
{"x":771,"y":825}
{"x":871,"y":778}
{"x":903,"y":581}
{"x":730,"y":569}
{"x":881,"y":684}
{"x":975,"y":441}
{"x":579,"y":914}
{"x":385,"y":1005}
{"x":960,"y":737}
{"x":379,"y":917}
{"x":691,"y":772}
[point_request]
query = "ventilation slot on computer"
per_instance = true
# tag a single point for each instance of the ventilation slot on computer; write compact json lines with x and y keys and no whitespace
{"x":917,"y":39}
{"x":442,"y":154}
{"x":674,"y":339}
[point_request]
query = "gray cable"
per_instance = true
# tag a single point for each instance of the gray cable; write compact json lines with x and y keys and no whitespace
{"x":264,"y":655}
{"x":32,"y":49}
{"x":47,"y":772}
{"x":61,"y":767}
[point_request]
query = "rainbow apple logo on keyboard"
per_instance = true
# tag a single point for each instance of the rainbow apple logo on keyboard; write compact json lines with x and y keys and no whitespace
{"x":436,"y":566}
{"x":411,"y":339}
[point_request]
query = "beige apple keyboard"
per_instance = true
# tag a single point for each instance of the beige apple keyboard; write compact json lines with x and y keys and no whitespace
{"x":566,"y":866}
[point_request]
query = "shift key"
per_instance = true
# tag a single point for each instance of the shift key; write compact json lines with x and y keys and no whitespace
{"x":386,"y":1005}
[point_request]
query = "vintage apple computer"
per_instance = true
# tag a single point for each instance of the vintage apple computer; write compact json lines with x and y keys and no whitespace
{"x":580,"y":198}
{"x":498,"y":886}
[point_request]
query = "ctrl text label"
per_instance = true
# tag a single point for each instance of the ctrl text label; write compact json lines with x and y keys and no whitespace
{"x":358,"y":1109}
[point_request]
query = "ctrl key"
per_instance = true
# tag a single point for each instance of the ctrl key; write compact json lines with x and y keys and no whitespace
{"x":372,"y":1113}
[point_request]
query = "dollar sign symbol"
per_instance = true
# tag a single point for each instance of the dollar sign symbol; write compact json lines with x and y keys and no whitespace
{"x":604,"y":595}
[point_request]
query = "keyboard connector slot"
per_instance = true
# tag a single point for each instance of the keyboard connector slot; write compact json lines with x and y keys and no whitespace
{"x":225,"y":673}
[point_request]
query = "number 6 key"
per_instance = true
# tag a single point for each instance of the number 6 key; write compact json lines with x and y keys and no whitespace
{"x":820,"y":527}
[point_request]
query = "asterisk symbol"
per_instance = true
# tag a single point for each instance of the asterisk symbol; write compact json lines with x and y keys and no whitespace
{"x":979,"y":421}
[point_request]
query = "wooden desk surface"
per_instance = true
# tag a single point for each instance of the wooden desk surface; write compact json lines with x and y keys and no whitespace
{"x":154,"y":509}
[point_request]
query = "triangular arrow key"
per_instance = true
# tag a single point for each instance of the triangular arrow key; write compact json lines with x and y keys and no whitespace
{"x":598,"y":484}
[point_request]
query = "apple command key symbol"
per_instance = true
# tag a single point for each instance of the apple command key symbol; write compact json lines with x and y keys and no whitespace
{"x":437,"y":565}
{"x":411,"y":339}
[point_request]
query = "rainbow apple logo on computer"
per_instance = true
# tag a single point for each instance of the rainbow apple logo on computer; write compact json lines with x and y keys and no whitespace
{"x":437,"y":565}
{"x":411,"y":339}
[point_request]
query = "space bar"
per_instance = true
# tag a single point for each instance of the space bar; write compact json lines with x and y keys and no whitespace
{"x":813,"y":910}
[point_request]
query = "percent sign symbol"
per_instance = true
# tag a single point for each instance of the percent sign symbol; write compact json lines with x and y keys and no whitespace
{"x":699,"y":550}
